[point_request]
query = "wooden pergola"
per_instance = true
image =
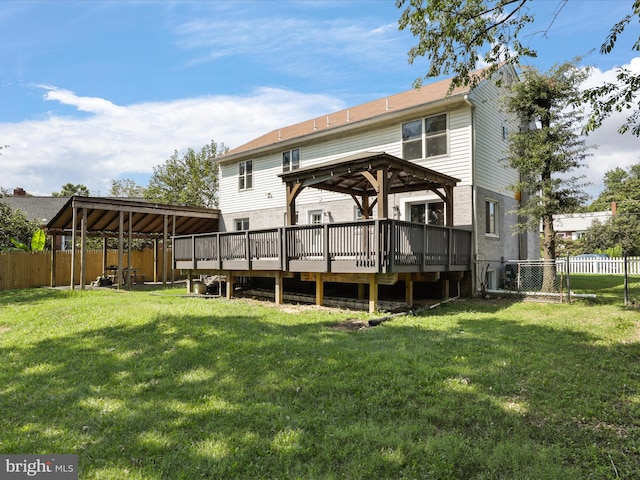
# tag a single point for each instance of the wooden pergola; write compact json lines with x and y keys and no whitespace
{"x":369,"y":178}
{"x":117,"y":217}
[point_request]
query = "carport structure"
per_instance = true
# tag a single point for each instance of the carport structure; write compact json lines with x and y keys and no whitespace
{"x":83,"y":217}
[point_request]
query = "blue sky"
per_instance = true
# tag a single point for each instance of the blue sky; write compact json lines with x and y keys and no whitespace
{"x":92,"y":91}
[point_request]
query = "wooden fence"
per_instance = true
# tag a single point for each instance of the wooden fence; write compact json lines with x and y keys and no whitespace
{"x":604,"y":266}
{"x":29,"y":270}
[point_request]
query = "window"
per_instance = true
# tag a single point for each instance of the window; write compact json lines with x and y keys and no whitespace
{"x":291,"y":160}
{"x":436,"y":135}
{"x":491,"y":218}
{"x":425,"y":138}
{"x":315,"y":217}
{"x":505,"y":133}
{"x":242,"y":224}
{"x":245,"y":175}
{"x":431,"y":213}
{"x":357,"y":214}
{"x":412,"y":140}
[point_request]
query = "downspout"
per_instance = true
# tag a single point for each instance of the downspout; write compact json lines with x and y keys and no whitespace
{"x":474,"y":195}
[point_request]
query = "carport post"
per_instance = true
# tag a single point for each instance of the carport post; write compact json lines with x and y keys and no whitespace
{"x":74,"y":219}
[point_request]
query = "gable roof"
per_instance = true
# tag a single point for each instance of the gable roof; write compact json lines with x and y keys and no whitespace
{"x":41,"y":209}
{"x":380,"y":109}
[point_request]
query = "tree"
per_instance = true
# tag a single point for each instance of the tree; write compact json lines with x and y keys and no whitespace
{"x":621,"y":231}
{"x":620,"y":186}
{"x":126,"y":188}
{"x":455,"y":35}
{"x":69,"y":190}
{"x":546,"y":154}
{"x":190,"y":180}
{"x":15,"y":227}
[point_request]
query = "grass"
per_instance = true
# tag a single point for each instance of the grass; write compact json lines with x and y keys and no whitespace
{"x":146,"y":386}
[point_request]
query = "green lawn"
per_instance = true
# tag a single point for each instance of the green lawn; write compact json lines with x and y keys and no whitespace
{"x":148,"y":386}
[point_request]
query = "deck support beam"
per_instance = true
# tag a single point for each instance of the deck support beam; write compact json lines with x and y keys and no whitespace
{"x":279,"y":288}
{"x":408,"y":290}
{"x":319,"y":289}
{"x":373,"y":293}
{"x":229,"y":289}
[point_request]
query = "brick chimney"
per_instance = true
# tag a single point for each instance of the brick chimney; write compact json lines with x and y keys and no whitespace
{"x":614,"y":208}
{"x":19,"y":192}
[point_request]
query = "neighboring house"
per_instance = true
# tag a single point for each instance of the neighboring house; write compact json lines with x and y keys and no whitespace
{"x":40,"y":209}
{"x":573,"y":226}
{"x":462,"y":134}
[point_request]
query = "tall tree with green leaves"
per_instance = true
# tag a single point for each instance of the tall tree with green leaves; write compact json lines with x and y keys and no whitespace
{"x":70,"y":189}
{"x":190,"y":179}
{"x":126,"y":188}
{"x":456,"y":35}
{"x":620,"y":186}
{"x":548,"y":153}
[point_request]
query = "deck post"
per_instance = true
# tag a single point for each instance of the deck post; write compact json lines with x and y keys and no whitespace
{"x":319,"y":289}
{"x":279,"y":292}
{"x":408,"y":290}
{"x":373,"y":293}
{"x":325,"y":247}
{"x":189,"y":281}
{"x":229,"y":290}
{"x":360,"y":291}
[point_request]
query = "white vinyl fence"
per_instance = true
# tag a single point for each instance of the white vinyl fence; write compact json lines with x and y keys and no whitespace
{"x":606,"y":266}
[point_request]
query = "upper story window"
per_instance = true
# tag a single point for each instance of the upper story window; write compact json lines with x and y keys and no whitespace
{"x":245,"y":175}
{"x":505,"y":133}
{"x":425,"y":138}
{"x":291,"y":160}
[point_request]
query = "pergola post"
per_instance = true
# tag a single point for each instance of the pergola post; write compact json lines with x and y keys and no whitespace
{"x":383,"y":192}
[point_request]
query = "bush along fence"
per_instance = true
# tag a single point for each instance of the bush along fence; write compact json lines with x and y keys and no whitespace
{"x":33,"y":269}
{"x":552,"y":280}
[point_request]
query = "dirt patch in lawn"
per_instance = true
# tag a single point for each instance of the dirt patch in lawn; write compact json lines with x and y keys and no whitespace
{"x":4,"y":329}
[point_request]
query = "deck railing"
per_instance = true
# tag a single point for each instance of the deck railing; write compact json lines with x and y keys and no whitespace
{"x":369,"y":246}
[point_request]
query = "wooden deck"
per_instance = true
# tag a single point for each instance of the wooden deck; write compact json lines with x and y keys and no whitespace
{"x":365,"y":252}
{"x":371,"y":246}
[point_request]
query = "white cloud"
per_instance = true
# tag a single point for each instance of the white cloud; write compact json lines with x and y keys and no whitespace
{"x":125,"y":141}
{"x":614,"y":150}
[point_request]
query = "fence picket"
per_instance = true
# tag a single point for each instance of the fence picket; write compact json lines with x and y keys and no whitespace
{"x":603,"y":266}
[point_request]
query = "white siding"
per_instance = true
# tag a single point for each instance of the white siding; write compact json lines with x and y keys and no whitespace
{"x":490,"y":117}
{"x":269,"y":192}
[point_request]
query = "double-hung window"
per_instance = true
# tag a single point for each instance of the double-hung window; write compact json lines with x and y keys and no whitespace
{"x":245,"y":175}
{"x":425,"y":138}
{"x":291,"y":160}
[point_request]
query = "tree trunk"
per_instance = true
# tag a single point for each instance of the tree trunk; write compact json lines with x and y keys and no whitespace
{"x":548,"y":255}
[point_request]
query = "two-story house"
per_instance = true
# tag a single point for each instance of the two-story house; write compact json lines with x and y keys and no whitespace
{"x":454,"y":139}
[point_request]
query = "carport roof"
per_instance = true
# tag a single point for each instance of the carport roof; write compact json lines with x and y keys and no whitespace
{"x":103,"y":217}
